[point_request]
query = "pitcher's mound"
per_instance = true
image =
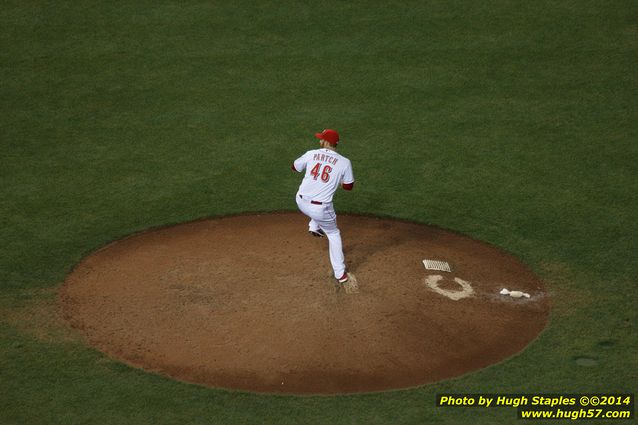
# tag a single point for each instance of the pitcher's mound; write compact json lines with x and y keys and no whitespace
{"x":249,"y":302}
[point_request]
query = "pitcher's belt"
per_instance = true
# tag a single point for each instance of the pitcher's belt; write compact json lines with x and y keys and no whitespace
{"x":313,"y":202}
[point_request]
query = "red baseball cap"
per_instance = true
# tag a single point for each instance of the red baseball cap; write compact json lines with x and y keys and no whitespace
{"x":330,"y":136}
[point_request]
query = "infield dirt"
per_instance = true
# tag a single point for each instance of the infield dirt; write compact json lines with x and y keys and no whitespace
{"x":249,"y":302}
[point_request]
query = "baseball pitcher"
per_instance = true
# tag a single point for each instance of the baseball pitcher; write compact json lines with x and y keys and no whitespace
{"x":325,"y":171}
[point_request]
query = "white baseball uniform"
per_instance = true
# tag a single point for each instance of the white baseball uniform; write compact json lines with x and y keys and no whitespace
{"x":325,"y":171}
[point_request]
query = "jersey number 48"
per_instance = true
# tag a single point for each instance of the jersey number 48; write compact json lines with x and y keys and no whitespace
{"x":325,"y":173}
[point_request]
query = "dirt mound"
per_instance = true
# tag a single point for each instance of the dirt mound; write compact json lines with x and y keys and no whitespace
{"x":249,"y":302}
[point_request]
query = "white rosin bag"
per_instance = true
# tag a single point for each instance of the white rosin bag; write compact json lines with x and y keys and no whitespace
{"x":514,"y":294}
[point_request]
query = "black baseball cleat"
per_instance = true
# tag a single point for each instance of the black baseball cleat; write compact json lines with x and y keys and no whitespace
{"x":317,"y":233}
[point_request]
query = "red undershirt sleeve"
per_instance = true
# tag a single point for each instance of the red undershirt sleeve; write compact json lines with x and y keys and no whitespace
{"x":347,"y":186}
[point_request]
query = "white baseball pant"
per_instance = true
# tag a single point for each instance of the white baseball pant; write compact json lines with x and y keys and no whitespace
{"x":324,"y":217}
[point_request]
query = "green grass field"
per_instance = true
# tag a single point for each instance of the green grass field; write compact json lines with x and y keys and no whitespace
{"x":512,"y":122}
